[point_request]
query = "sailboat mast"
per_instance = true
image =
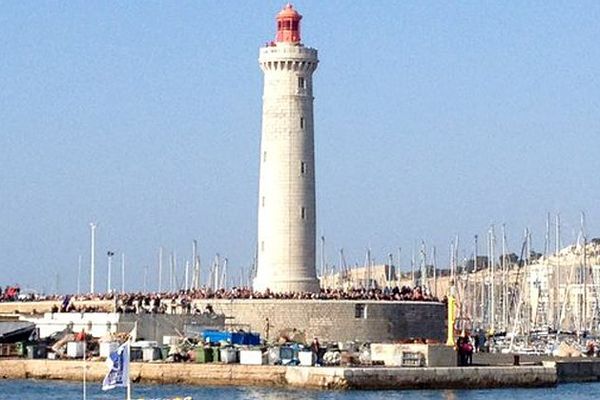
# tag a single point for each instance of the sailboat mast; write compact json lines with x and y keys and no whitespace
{"x":322,"y":255}
{"x":412,"y":268}
{"x":493,"y":279}
{"x":424,"y":285}
{"x":172,"y":273}
{"x":224,"y":274}
{"x":452,"y":261}
{"x":584,"y":273}
{"x":194,"y":265}
{"x":557,"y":272}
{"x":160,"y":267}
{"x":216,"y":272}
{"x":434,"y":262}
{"x":547,"y":236}
{"x":549,"y":274}
{"x":397,"y":270}
{"x":343,"y":274}
{"x":477,"y":308}
{"x":504,"y":280}
{"x":388,"y":271}
{"x":79,"y":275}
{"x":186,"y":275}
{"x":198,"y":267}
{"x":527,"y":276}
{"x":369,"y":266}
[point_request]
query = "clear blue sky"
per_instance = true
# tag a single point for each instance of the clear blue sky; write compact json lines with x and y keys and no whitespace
{"x":431,"y":118}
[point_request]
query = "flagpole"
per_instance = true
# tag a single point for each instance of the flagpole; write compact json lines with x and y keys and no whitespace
{"x":129,"y":340}
{"x":129,"y":372}
{"x":84,"y":369}
{"x":129,"y":380}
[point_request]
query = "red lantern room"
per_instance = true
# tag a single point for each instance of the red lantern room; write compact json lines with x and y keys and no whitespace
{"x":288,"y":25}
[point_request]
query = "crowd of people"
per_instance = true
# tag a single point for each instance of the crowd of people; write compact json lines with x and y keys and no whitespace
{"x":183,"y":301}
{"x":10,"y":293}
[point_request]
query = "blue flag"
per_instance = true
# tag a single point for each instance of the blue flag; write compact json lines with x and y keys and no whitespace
{"x":118,"y":364}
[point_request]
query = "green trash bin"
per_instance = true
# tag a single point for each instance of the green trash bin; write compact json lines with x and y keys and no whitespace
{"x":20,"y":349}
{"x":216,"y":356}
{"x":204,"y":355}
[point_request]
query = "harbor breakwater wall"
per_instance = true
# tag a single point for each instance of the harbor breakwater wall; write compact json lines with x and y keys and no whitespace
{"x":329,"y":320}
{"x":305,"y":377}
{"x":578,"y":370}
{"x":336,"y":320}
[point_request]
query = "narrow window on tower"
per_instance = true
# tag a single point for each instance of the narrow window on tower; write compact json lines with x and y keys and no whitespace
{"x":302,"y":167}
{"x":262,"y":246}
{"x":360,"y":311}
{"x":262,"y":201}
{"x":301,"y":122}
{"x":301,"y":83}
{"x":303,"y":213}
{"x":264,"y":156}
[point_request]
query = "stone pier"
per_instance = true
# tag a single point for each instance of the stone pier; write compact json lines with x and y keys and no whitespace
{"x":302,"y":377}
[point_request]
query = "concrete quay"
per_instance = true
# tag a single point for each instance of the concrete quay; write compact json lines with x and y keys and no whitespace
{"x":301,"y":377}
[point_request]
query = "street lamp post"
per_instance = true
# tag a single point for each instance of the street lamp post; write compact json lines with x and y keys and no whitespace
{"x":93,"y":226}
{"x":110,"y":255}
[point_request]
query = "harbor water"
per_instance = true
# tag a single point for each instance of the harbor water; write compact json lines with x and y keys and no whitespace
{"x":57,"y":390}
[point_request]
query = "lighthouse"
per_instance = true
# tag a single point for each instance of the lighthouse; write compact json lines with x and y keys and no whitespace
{"x":286,"y":204}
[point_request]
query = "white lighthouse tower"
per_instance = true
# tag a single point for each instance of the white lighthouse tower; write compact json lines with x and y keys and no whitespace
{"x":286,"y":204}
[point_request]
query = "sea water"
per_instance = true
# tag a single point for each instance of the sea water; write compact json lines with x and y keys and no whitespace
{"x":53,"y":390}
